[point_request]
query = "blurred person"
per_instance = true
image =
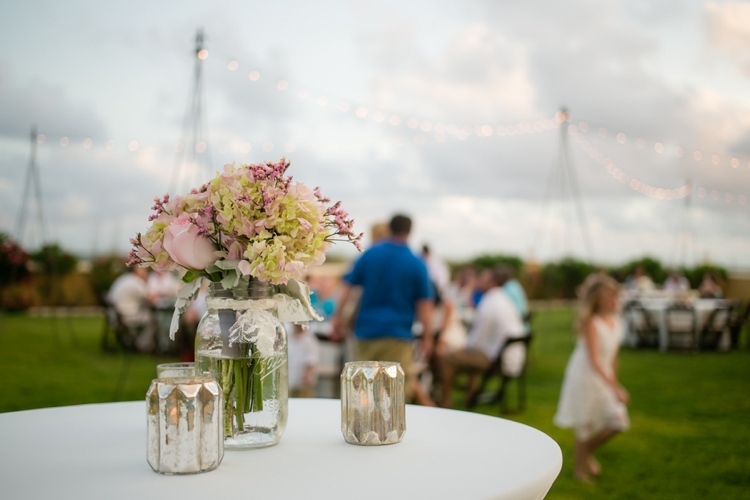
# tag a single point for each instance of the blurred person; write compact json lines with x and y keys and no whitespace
{"x":303,"y":361}
{"x":437,"y":270}
{"x":463,"y":286}
{"x":676,"y":283}
{"x":592,"y":401}
{"x":129,"y":297}
{"x":162,"y":294}
{"x":496,"y":321}
{"x":395,"y":289}
{"x":380,"y":231}
{"x":450,"y":333}
{"x":517,"y":295}
{"x":461,"y":291}
{"x":162,"y":289}
{"x":189,"y":322}
{"x":709,"y":287}
{"x":323,"y":296}
{"x":640,"y":281}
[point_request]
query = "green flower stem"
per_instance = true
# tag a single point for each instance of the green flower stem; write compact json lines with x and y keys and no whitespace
{"x":258,"y":382}
{"x":226,"y":387}
{"x":239,"y":404}
{"x":248,"y":367}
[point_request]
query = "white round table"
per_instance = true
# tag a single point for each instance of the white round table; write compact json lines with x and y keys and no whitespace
{"x":99,"y":452}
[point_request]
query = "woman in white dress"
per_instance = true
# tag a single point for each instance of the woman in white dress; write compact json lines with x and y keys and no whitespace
{"x":592,"y":401}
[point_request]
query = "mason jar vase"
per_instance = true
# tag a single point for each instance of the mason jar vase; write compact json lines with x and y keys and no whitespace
{"x":254,"y":379}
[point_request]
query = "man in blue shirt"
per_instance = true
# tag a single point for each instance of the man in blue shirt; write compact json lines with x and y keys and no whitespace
{"x":395,"y":289}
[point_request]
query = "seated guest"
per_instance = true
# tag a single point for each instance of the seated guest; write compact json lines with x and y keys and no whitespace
{"x":640,"y":281}
{"x":129,"y":296}
{"x":162,"y":289}
{"x":496,"y":321}
{"x":709,"y":287}
{"x":676,"y":283}
{"x":303,"y":362}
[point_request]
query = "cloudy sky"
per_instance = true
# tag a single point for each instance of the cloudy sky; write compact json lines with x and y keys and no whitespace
{"x":443,"y":110}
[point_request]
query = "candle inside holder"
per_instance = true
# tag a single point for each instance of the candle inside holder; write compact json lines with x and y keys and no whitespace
{"x":372,"y":403}
{"x":184,"y":417}
{"x":170,"y":370}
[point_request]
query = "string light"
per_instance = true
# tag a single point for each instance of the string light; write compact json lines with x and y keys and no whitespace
{"x":659,"y":148}
{"x":40,"y":138}
{"x":480,"y":130}
{"x":633,"y":182}
{"x":203,"y":54}
{"x":64,"y":141}
{"x":643,"y":187}
{"x":133,"y":145}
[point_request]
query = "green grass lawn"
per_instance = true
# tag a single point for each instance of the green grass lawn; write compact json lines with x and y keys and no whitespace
{"x":690,"y":413}
{"x":58,"y":361}
{"x":690,"y":421}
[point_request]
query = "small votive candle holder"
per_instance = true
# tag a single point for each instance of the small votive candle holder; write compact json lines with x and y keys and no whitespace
{"x":372,"y":403}
{"x":167,"y":370}
{"x":185,"y":433}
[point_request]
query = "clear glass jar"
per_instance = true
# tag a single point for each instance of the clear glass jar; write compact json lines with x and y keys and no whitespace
{"x":255,"y":385}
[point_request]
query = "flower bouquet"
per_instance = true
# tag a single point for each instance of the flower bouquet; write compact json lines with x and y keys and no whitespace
{"x":252,"y":233}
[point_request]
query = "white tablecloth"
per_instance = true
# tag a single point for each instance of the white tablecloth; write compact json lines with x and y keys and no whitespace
{"x":99,"y":452}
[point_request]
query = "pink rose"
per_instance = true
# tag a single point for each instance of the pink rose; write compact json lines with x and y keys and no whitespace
{"x":186,"y":247}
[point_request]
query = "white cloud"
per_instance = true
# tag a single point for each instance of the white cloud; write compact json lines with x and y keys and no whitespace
{"x":727,"y":28}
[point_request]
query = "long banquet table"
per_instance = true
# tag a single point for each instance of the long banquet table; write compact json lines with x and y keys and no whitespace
{"x":657,"y":307}
{"x":99,"y":451}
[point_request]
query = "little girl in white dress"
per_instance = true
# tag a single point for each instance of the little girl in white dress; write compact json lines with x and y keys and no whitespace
{"x":592,"y":401}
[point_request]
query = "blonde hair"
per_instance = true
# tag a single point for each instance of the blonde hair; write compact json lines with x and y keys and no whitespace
{"x":379,"y":231}
{"x":589,"y":297}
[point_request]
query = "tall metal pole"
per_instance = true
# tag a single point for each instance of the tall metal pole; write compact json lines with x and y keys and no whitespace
{"x":32,"y":187}
{"x":563,"y":171}
{"x":195,"y":145}
{"x":569,"y":168}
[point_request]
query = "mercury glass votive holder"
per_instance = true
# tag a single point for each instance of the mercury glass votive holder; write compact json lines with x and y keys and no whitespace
{"x":372,"y":403}
{"x":166,"y":370}
{"x":185,"y":434}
